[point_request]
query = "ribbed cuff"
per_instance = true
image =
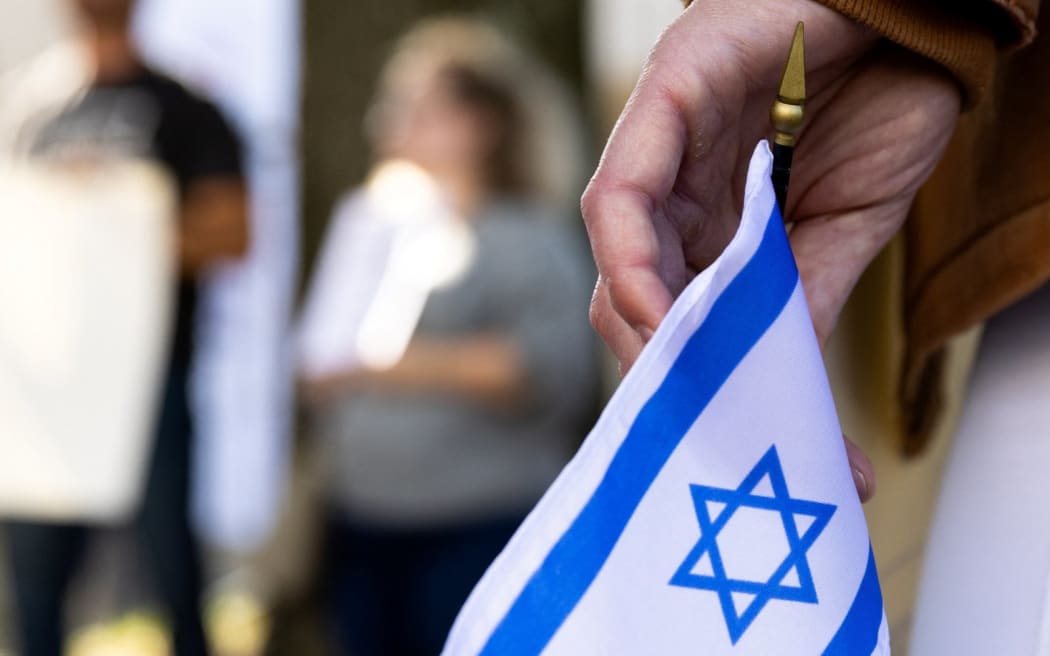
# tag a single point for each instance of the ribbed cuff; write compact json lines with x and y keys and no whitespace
{"x":959,"y":44}
{"x":962,"y":45}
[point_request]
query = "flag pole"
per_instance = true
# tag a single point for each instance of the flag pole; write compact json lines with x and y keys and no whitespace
{"x":787,"y":114}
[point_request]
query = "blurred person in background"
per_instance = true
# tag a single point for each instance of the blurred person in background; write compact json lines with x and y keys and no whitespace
{"x":445,"y":348}
{"x":130,"y":111}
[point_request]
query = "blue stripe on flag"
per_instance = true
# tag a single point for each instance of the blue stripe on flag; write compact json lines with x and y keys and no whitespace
{"x":737,"y":320}
{"x":859,"y":633}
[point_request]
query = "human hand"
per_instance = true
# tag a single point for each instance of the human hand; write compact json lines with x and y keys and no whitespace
{"x":667,"y":195}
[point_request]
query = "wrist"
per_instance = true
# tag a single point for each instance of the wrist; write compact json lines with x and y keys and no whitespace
{"x":742,"y":34}
{"x":948,"y":37}
{"x":964,"y":46}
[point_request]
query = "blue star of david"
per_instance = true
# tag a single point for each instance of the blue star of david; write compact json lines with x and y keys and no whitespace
{"x":738,"y":620}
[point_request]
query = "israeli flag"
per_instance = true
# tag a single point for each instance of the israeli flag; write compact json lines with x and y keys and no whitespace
{"x":712,"y":509}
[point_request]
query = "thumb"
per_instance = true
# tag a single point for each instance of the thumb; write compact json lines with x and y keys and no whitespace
{"x":862,"y":470}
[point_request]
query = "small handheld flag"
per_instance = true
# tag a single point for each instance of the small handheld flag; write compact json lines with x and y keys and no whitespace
{"x":711,"y":510}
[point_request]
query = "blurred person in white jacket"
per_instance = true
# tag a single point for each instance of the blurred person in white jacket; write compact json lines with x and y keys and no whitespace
{"x":445,"y":343}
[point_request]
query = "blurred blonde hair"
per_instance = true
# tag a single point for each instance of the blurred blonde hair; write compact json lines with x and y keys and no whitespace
{"x":546,"y":153}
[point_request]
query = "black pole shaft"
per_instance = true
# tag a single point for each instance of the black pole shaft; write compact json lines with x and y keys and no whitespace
{"x":782,"y":156}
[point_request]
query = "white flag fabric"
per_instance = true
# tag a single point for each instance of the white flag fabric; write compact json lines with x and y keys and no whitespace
{"x":711,"y":510}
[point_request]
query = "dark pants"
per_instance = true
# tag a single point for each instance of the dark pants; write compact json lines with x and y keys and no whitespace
{"x":44,"y":557}
{"x":396,"y":593}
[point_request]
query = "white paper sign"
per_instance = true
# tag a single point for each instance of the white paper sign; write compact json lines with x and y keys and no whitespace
{"x":86,"y":292}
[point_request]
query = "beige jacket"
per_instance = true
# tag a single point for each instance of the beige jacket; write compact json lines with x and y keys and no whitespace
{"x":978,"y":237}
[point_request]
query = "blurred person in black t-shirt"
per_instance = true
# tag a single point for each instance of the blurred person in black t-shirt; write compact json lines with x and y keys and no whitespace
{"x":130,"y":110}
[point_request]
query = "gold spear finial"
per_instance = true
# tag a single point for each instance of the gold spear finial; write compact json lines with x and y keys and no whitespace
{"x":788,"y":111}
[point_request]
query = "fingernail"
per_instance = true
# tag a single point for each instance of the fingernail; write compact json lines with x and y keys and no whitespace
{"x":861,"y":483}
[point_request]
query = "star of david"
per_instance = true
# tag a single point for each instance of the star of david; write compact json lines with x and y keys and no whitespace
{"x":790,"y":581}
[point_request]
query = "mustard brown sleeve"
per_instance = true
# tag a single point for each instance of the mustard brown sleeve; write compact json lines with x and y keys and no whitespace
{"x":964,"y":36}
